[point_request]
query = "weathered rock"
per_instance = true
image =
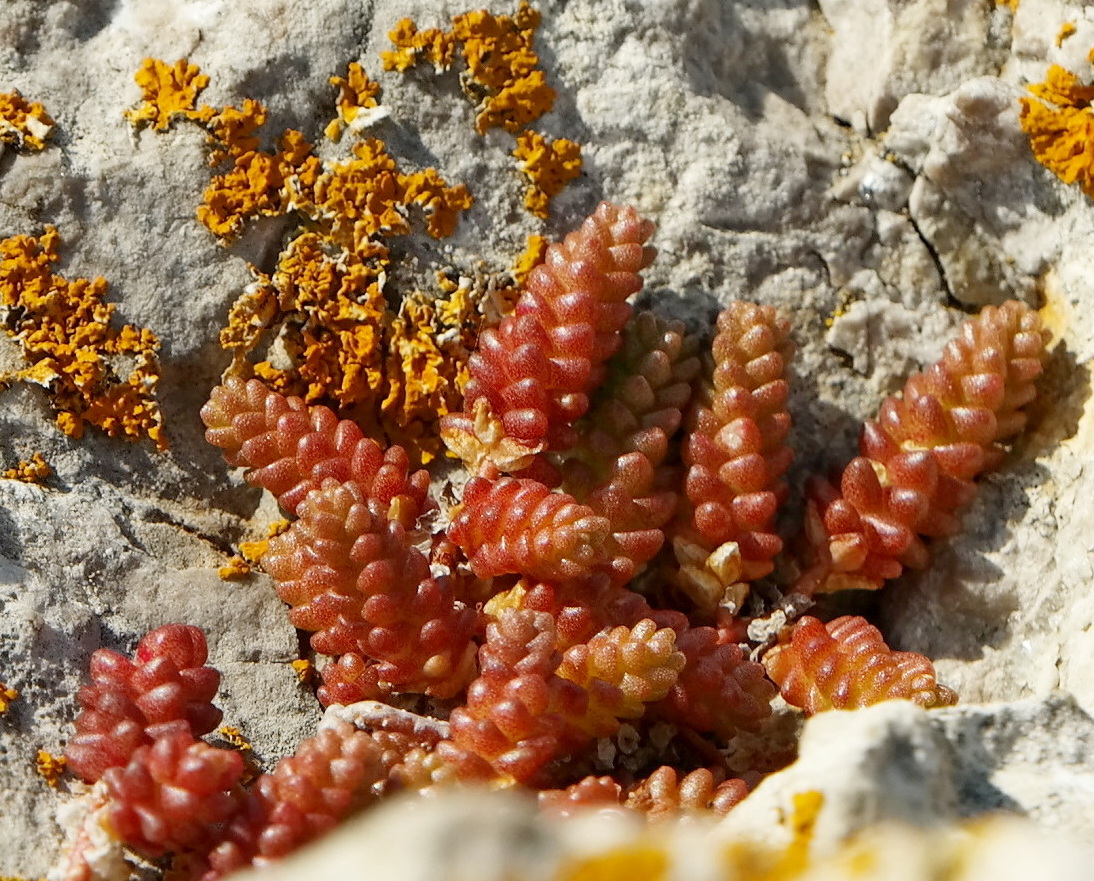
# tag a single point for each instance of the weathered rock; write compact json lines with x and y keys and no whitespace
{"x":1028,"y":757}
{"x":485,"y":837}
{"x":883,"y":50}
{"x":855,"y":769}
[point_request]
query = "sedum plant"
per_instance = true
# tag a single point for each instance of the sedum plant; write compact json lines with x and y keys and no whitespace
{"x":579,"y":626}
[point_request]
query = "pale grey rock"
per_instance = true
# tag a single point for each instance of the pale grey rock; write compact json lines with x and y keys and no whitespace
{"x":873,"y":328}
{"x":971,"y":132}
{"x":883,"y":50}
{"x":1029,"y":757}
{"x":475,"y":836}
{"x":969,"y":200}
{"x":883,"y":763}
{"x":973,"y":273}
{"x":895,"y":762}
{"x":1037,"y":28}
{"x":885,"y":185}
{"x":993,"y":850}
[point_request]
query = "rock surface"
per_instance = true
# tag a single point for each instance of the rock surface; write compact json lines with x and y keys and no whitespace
{"x":896,"y":763}
{"x":727,"y":124}
{"x":484,"y":838}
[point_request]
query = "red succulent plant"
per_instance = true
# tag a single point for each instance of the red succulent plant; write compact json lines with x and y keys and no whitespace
{"x":542,"y":625}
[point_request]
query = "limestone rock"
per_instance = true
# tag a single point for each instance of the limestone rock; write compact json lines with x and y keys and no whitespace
{"x":882,"y":764}
{"x":1028,"y":757}
{"x":885,"y":49}
{"x":460,"y":837}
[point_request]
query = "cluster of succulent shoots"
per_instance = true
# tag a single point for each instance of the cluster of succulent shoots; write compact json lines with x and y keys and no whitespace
{"x":579,"y":623}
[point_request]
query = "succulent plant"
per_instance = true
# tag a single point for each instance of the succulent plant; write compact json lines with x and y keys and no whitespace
{"x":545,"y":627}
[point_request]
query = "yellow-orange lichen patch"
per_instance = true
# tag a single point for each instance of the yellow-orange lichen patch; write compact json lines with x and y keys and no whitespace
{"x":358,"y":102}
{"x":442,"y":203}
{"x":50,"y":767}
{"x":1066,"y":30}
{"x":500,"y":58}
{"x":411,"y":46}
{"x":331,"y":314}
{"x":304,"y":669}
{"x":1060,"y":125}
{"x":325,"y":295}
{"x":341,"y":362}
{"x":321,"y":318}
{"x":95,"y":372}
{"x":802,"y":822}
{"x":33,"y":470}
{"x":232,"y":130}
{"x":503,"y":76}
{"x":251,"y":553}
{"x":535,"y":249}
{"x":428,"y":346}
{"x":24,"y":124}
{"x":235,"y":569}
{"x":257,"y":185}
{"x":168,"y":92}
{"x":234,"y":737}
{"x":7,"y":695}
{"x":361,"y":198}
{"x":631,"y":861}
{"x":501,"y":61}
{"x":548,"y":165}
{"x":253,"y":312}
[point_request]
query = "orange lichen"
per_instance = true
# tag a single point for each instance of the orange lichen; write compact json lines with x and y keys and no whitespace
{"x":329,"y":308}
{"x":1066,"y":30}
{"x":232,"y":130}
{"x":304,"y":669}
{"x":32,"y":470}
{"x":504,"y":80}
{"x":623,"y":863}
{"x":235,"y":569}
{"x":548,"y":165}
{"x":503,"y":76}
{"x":95,"y":372}
{"x":50,"y":767}
{"x":357,"y":102}
{"x":251,"y":553}
{"x":7,"y":695}
{"x":441,"y":202}
{"x":802,"y":822}
{"x":253,"y":312}
{"x":362,"y":198}
{"x":1060,"y":125}
{"x":169,"y":92}
{"x":234,"y":737}
{"x":322,"y":314}
{"x":24,"y":124}
{"x":532,"y":255}
{"x":428,"y":346}
{"x":411,"y":45}
{"x":257,"y":185}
